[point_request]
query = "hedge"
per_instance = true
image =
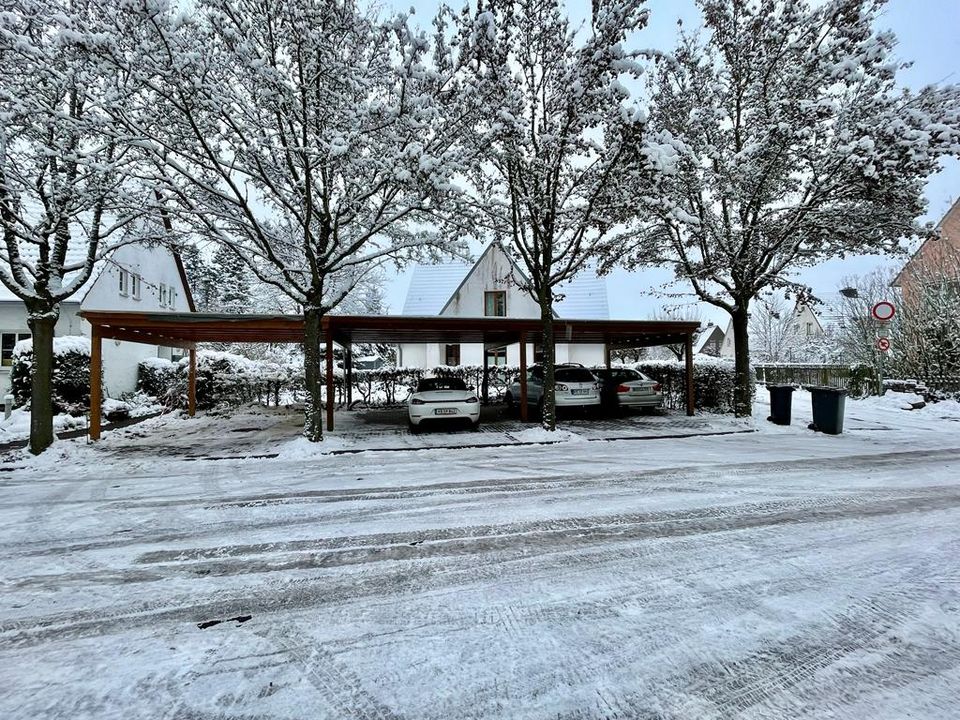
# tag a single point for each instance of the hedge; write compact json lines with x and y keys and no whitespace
{"x":714,"y":381}
{"x":71,"y":374}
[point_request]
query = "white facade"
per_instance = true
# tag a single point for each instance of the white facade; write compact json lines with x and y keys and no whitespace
{"x":133,"y":278}
{"x":456,"y":290}
{"x":806,"y":324}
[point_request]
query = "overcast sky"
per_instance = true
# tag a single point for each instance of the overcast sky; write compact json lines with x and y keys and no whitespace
{"x":928,"y":37}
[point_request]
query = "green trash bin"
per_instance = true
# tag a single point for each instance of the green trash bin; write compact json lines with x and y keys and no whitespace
{"x":781,"y":401}
{"x":828,"y":406}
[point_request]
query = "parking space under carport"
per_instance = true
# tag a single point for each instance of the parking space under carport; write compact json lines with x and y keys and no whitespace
{"x":186,"y":330}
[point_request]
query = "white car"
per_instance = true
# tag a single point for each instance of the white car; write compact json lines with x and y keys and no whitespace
{"x":575,"y":387}
{"x":442,"y":399}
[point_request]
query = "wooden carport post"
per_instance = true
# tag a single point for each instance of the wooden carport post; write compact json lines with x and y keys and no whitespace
{"x":192,"y":384}
{"x":606,"y":353}
{"x":96,"y":376}
{"x":330,"y":386}
{"x":523,"y":376}
{"x":688,"y":354}
{"x":485,"y":382}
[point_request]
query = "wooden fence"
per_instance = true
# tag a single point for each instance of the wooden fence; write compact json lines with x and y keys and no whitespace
{"x":839,"y":376}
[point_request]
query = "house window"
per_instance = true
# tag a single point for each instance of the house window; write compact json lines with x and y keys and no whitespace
{"x":497,"y":356}
{"x":451,"y":355}
{"x":7,"y":342}
{"x":495,"y":303}
{"x":135,"y":283}
{"x":124,"y":283}
{"x":809,"y":329}
{"x":171,"y":297}
{"x":163,"y":295}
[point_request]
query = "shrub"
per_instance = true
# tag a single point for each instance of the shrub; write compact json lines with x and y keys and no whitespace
{"x":71,"y":374}
{"x":714,"y":381}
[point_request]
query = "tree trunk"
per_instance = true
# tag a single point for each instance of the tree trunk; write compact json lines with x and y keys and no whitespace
{"x":743,"y":389}
{"x":548,"y":402}
{"x":42,"y":326}
{"x":313,"y":377}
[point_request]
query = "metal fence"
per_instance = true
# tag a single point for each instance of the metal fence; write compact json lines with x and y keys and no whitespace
{"x":802,"y":374}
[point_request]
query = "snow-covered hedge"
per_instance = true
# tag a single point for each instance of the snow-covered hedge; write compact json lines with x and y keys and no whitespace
{"x":222,"y":379}
{"x":713,"y":382}
{"x":71,"y":374}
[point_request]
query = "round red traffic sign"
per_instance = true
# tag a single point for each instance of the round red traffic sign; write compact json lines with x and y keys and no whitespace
{"x":884,"y":311}
{"x":883,"y":344}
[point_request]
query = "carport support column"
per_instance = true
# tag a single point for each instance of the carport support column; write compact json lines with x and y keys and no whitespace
{"x":96,"y":376}
{"x":330,"y":386}
{"x":484,"y":382}
{"x":688,"y":355}
{"x":192,"y":384}
{"x":606,"y":354}
{"x":348,"y":371}
{"x":523,"y":377}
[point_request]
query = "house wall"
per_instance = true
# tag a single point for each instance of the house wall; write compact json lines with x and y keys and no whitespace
{"x":13,"y":318}
{"x":936,"y":259}
{"x":493,"y":271}
{"x":120,"y":359}
{"x":433,"y":354}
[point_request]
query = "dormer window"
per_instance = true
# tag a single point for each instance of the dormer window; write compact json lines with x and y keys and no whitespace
{"x":163,"y":295}
{"x":495,"y":303}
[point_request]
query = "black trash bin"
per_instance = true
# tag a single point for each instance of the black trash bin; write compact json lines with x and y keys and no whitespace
{"x":828,"y":405}
{"x":781,"y":399}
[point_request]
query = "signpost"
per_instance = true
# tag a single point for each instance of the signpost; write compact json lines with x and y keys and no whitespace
{"x":883,"y":313}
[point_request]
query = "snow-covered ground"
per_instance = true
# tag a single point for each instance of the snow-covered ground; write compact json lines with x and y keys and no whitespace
{"x":773,"y":574}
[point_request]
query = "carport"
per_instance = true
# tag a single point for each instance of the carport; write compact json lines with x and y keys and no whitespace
{"x":186,"y":330}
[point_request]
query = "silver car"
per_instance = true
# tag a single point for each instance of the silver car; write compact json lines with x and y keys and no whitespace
{"x":628,"y":388}
{"x":575,"y":387}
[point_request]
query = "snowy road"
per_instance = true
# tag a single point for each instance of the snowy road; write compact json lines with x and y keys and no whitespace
{"x":772,"y":575}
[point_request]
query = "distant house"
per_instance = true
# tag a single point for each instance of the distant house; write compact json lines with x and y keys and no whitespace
{"x":806,"y":325}
{"x":935,"y":261}
{"x":132,"y":278}
{"x":710,"y":341}
{"x":491,"y":287}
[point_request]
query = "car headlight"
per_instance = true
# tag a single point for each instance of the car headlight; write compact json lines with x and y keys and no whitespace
{"x":417,"y":401}
{"x":561,"y":386}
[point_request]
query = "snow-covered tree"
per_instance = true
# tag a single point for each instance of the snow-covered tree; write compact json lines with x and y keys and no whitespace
{"x":796,"y":144}
{"x":201,"y":276}
{"x":559,"y":135}
{"x":308,"y":138}
{"x":926,"y":331}
{"x":66,"y":196}
{"x":233,"y":281}
{"x":773,"y":332}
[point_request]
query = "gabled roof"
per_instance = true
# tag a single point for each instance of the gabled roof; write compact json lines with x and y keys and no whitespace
{"x":955,"y":208}
{"x":714,"y":332}
{"x":433,"y":287}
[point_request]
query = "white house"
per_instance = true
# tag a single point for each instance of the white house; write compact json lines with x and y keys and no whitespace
{"x":806,"y":325}
{"x":492,"y":288}
{"x":134,"y":278}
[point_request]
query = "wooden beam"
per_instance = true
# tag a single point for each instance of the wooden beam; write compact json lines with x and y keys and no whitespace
{"x":606,"y":354}
{"x":688,"y":355}
{"x":192,"y":384}
{"x":96,"y":376}
{"x":331,"y":390}
{"x":523,"y":377}
{"x":144,"y":337}
{"x":348,"y":371}
{"x":485,"y":383}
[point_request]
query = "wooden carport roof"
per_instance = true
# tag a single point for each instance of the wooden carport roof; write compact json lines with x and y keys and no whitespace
{"x":185,"y":330}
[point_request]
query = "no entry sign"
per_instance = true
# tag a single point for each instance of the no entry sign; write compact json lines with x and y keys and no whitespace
{"x":883,"y":344}
{"x":884,"y":311}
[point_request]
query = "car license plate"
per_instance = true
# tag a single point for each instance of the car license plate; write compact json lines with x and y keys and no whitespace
{"x":580,"y":391}
{"x":445,"y":411}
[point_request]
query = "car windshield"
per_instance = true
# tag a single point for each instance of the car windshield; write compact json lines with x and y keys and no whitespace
{"x":574,"y":375}
{"x":428,"y":384}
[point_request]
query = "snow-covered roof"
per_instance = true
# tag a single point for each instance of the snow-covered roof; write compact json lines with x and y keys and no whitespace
{"x":76,"y":253}
{"x":431,"y":286}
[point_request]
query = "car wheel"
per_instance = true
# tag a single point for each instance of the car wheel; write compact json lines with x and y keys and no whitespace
{"x":413,"y":428}
{"x":475,"y":426}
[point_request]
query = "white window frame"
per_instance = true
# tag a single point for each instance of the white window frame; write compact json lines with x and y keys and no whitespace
{"x":18,"y":335}
{"x":135,"y":284}
{"x":171,"y":297}
{"x":163,"y":295}
{"x":124,"y":283}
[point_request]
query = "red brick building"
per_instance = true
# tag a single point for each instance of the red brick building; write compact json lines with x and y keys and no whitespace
{"x":935,"y":261}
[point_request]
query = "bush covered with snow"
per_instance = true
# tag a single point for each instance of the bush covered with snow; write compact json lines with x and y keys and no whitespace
{"x":71,"y":374}
{"x":713,"y":382}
